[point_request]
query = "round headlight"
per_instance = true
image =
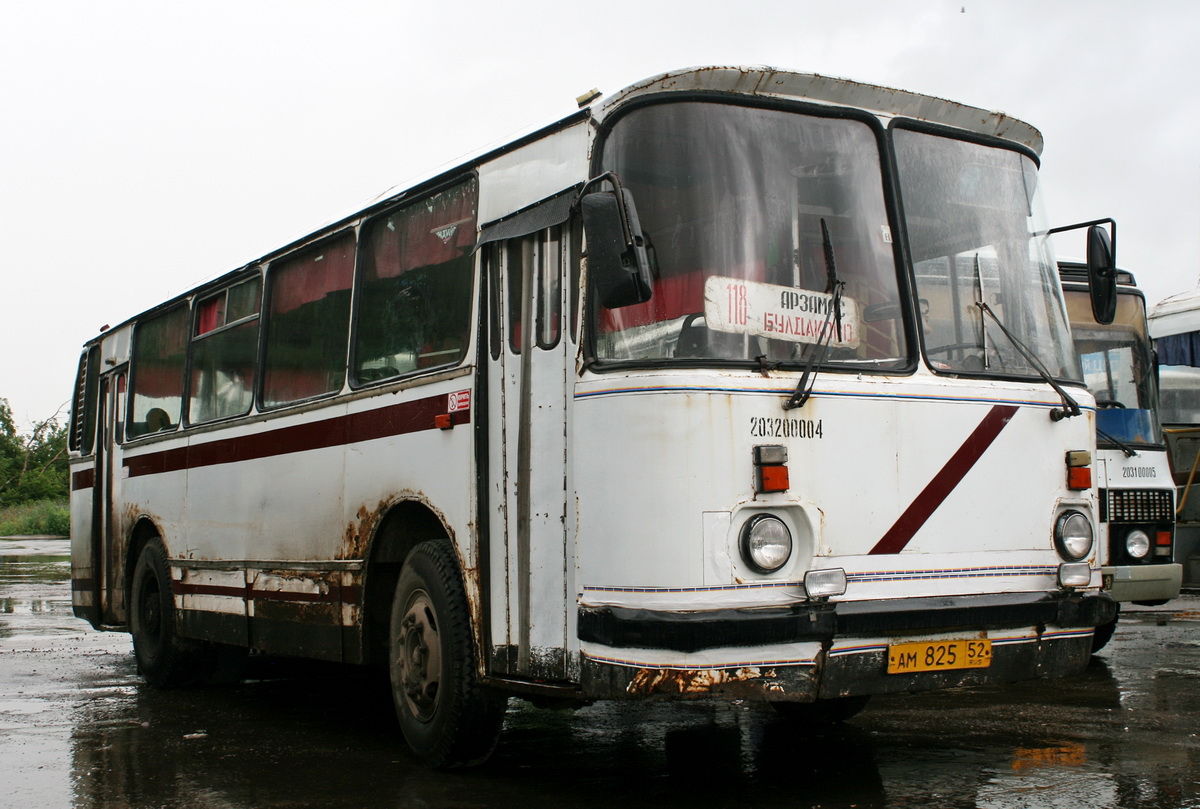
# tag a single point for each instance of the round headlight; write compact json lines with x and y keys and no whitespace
{"x":766,"y":543}
{"x":1073,"y":536}
{"x":1137,"y":543}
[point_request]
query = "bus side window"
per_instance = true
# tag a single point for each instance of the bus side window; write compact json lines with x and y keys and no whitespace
{"x":415,"y":284}
{"x":224,"y":353}
{"x":517,"y":254}
{"x":548,"y":273}
{"x":574,"y":250}
{"x":118,"y":421}
{"x":308,"y":323}
{"x":159,"y":357}
{"x":495,"y":300}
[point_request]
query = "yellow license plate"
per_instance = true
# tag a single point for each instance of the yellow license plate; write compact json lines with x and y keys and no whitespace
{"x":905,"y":658}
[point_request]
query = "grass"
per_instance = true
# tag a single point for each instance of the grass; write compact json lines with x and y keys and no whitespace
{"x":51,"y":517}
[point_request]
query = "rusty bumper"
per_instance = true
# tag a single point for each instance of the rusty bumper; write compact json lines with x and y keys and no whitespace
{"x":1037,"y":635}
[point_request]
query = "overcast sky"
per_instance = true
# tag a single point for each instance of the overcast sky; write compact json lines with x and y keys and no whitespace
{"x":148,"y":146}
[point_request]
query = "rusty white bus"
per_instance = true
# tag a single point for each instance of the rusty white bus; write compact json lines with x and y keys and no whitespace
{"x":1136,"y":521}
{"x":737,"y":383}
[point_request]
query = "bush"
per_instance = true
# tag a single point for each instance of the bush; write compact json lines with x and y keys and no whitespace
{"x":51,"y":517}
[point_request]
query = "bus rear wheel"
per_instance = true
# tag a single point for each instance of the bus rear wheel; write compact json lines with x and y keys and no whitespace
{"x":164,"y":658}
{"x":448,"y":718}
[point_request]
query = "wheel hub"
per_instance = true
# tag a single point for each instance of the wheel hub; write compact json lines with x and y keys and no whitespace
{"x":419,"y":657}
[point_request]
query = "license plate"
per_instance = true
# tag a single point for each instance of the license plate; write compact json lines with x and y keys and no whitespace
{"x":905,"y":658}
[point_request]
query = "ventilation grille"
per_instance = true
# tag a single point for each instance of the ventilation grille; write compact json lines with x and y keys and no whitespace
{"x":1140,"y":505}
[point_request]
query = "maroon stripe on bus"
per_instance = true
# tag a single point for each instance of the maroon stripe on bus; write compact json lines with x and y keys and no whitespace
{"x":945,"y":481}
{"x":84,"y":479}
{"x":336,"y":594}
{"x":398,"y":419}
{"x":183,"y":589}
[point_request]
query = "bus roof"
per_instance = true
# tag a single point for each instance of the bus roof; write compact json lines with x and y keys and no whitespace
{"x":1178,"y":314}
{"x":772,"y":82}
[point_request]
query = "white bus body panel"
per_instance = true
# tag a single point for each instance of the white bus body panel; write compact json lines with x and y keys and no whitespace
{"x":1148,"y":471}
{"x":687,"y":440}
{"x":524,"y":176}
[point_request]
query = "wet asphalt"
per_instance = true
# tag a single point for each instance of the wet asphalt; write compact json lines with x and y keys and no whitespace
{"x":78,"y":729}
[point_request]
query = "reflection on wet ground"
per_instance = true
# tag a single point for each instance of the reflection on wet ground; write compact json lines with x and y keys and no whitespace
{"x":78,"y":729}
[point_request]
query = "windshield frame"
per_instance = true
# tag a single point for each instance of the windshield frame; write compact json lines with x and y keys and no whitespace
{"x":904,"y":312}
{"x":1050,"y":270}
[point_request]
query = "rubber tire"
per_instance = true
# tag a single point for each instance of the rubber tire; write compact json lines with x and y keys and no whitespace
{"x":448,"y":718}
{"x":164,"y":658}
{"x":1104,"y":632}
{"x":823,"y":711}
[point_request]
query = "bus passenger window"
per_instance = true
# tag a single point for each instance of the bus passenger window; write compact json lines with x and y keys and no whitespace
{"x":414,"y":304}
{"x":159,"y":357}
{"x":225,"y":353}
{"x":308,"y":310}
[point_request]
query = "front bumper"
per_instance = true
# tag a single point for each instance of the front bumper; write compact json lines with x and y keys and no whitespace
{"x":826,"y":621}
{"x":1144,"y":582}
{"x":822,"y":650}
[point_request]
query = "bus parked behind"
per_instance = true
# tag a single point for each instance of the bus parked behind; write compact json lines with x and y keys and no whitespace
{"x":1132,"y":470}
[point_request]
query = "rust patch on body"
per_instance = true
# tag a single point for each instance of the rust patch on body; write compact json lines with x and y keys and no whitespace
{"x":358,"y":533}
{"x":750,"y":681}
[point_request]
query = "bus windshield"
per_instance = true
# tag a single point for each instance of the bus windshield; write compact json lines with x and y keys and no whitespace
{"x":976,"y":232}
{"x":756,"y":220}
{"x":1118,"y":368}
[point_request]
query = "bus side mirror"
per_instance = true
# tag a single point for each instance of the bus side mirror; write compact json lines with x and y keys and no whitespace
{"x":1102,"y":275}
{"x":617,"y":262}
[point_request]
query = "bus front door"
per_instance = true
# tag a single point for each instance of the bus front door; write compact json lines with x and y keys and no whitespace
{"x":107,"y":543}
{"x":530,"y":559}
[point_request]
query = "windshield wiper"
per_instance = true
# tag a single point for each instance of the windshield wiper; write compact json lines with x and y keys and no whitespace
{"x":1121,"y":445}
{"x":979,"y":298}
{"x":1070,"y":407}
{"x":833,"y":320}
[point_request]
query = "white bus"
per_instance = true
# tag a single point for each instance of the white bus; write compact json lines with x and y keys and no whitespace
{"x":1132,"y":469}
{"x":1175,"y":327}
{"x":723,"y":386}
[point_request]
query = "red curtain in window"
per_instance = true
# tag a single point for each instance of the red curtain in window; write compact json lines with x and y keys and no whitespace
{"x":426,"y":233}
{"x":314,"y":275}
{"x":211,"y":314}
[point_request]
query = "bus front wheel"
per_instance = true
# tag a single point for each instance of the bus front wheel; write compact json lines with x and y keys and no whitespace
{"x":823,"y":711}
{"x":448,"y":718}
{"x":1104,"y":633}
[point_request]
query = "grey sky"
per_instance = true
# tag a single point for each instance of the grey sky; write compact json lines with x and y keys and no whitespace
{"x":146,"y":147}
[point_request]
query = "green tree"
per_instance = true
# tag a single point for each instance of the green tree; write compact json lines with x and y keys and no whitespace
{"x":33,"y":466}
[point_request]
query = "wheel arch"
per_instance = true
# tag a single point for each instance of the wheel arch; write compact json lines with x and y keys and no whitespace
{"x":405,"y":524}
{"x":144,"y":529}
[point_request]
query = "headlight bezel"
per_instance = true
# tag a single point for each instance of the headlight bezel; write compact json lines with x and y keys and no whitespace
{"x":752,"y":540}
{"x":1068,"y":541}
